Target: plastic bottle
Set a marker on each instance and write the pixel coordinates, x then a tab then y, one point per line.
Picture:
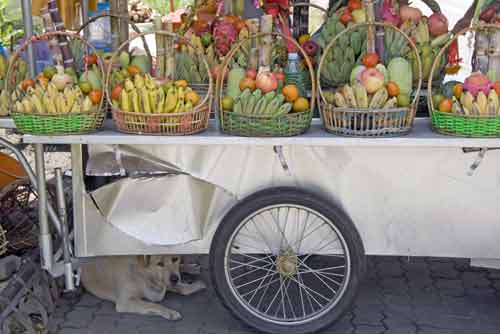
294	74
100	30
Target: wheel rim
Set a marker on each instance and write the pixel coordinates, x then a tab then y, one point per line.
287	264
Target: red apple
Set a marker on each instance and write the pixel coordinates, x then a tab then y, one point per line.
251	73
372	79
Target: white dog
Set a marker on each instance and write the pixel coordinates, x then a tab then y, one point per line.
137	283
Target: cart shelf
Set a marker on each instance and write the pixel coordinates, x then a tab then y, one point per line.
421	136
7	123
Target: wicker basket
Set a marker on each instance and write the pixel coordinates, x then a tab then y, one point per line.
56	124
454	124
291	124
367	122
171	124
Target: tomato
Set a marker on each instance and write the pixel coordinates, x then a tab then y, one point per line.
27	83
354	4
346	17
91	59
115	93
370	59
95	96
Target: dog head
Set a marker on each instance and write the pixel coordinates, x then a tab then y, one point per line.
162	268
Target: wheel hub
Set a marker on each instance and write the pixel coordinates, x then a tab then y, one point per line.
287	264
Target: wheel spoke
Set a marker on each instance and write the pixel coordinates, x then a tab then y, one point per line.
312	290
257	258
260	284
318	277
251	272
249	264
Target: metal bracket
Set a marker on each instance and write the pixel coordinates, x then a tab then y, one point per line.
278	149
118	157
480	156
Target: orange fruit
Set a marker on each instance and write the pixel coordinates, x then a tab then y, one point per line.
446	105
27	83
247	83
301	104
291	93
115	93
192	97
133	70
393	89
95	96
181	83
458	89
496	87
370	59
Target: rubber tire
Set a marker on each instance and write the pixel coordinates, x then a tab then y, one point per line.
285	195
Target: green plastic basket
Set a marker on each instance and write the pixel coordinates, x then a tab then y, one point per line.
287	125
466	126
39	124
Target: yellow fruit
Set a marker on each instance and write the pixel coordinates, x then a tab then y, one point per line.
291	93
192	97
301	104
227	103
303	38
181	83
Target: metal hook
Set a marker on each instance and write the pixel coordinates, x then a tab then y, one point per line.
279	152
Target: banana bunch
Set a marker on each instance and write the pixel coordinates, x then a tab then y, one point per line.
357	97
481	105
144	95
52	101
344	55
265	104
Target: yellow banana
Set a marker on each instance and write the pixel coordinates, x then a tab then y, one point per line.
135	99
50	105
124	101
493	103
138	81
28	107
145	101
19	107
52	90
482	102
76	108
149	82
129	85
170	101
37	103
153	94
87	104
188	106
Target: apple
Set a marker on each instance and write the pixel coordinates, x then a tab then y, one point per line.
372	79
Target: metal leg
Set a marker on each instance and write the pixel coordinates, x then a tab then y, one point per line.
61	205
78	190
45	239
28	32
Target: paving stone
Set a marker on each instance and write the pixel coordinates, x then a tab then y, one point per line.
475	280
493	274
445	270
430	330
394	286
401	330
88	300
390	269
366	317
106	308
79	317
369	330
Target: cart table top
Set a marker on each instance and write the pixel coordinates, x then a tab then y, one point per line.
421	136
6	123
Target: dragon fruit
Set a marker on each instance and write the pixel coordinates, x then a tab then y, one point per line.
224	36
477	82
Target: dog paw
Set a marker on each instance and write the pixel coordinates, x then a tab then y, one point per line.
173	316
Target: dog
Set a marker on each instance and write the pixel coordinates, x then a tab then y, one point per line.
137	283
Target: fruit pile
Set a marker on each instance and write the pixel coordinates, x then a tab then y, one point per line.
477	96
139	12
131	63
57	90
262	93
146	95
215	38
349	49
428	33
374	86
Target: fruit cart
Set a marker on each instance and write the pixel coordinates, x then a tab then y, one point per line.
287	222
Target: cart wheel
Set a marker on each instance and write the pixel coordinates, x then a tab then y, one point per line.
285	261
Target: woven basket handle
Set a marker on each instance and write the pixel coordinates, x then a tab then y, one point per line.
234	50
167	34
119	18
47	36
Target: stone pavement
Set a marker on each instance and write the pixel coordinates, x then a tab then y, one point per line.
420	296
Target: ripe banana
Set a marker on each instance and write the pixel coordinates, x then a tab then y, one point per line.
493	103
77	108
170	101
349	96
482	102
129	85
27	106
49	105
19	107
135	99
361	95
145	101
340	100
138	81
467	100
124	101
87	104
37	103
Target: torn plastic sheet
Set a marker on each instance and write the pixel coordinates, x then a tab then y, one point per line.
166	210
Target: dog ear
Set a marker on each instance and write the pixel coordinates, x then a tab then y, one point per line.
144	260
